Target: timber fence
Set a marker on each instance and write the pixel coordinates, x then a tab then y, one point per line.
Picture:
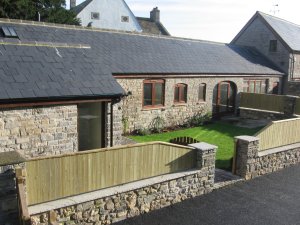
52	178
279	133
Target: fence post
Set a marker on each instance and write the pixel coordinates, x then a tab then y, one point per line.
246	153
206	159
290	105
21	193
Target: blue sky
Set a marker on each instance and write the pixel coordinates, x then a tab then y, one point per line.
214	20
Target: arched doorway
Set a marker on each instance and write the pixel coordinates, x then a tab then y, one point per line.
224	96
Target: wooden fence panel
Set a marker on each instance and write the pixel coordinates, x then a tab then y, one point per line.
263	101
279	133
56	177
297	107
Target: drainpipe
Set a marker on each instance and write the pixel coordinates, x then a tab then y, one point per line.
111	123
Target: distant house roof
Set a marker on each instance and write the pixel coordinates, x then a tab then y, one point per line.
151	27
287	32
78	8
42	65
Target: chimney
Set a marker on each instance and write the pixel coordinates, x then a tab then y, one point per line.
72	3
155	15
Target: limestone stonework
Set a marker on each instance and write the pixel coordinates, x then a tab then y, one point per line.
251	163
113	208
134	116
39	131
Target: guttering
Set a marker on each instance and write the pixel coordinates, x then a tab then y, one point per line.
31	102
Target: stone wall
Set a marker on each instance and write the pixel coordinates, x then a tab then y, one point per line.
257	114
251	163
140	197
39	130
293	88
118	139
137	117
296	68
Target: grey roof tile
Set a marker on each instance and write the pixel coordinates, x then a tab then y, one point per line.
77	72
288	31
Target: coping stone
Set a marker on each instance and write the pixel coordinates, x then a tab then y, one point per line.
247	138
11	158
203	146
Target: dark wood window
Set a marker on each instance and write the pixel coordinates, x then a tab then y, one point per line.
202	92
153	93
180	95
254	86
273	46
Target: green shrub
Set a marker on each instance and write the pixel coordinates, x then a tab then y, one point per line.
157	124
198	119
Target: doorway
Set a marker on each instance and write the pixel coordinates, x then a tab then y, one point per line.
224	98
91	127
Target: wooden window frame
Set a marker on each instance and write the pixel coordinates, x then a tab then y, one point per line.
153	82
182	95
254	82
204	92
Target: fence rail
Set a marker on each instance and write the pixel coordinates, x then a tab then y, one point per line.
56	177
279	133
263	101
297	106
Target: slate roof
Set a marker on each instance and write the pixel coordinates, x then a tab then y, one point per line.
78	8
63	72
150	27
289	32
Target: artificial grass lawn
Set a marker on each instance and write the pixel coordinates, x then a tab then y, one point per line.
218	133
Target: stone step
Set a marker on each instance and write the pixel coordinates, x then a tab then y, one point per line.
224	178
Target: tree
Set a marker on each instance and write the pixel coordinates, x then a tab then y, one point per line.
52	11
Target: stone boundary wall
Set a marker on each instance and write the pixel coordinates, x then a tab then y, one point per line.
251	163
293	88
258	114
118	203
288	111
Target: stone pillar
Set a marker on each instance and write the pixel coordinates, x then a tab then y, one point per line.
245	156
289	106
206	161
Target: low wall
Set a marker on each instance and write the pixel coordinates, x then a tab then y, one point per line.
261	114
117	203
293	88
251	163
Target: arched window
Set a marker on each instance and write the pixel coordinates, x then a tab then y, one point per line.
202	92
180	94
153	93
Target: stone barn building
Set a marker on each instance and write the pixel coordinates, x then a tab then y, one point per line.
66	88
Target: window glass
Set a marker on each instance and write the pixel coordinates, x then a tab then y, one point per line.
245	86
184	92
158	94
176	98
257	86
153	93
273	46
202	92
95	16
180	93
148	94
251	86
